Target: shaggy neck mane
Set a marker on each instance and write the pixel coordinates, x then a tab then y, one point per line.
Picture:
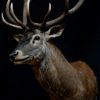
55	72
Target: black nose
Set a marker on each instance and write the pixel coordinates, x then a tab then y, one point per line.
13	55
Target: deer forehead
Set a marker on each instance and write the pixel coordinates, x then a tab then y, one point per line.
32	34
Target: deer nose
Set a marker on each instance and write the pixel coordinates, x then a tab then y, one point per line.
13	55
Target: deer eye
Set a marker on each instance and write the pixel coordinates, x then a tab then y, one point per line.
37	38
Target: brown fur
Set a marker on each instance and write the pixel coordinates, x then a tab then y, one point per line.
64	80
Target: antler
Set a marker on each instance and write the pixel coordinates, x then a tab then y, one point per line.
66	12
58	19
15	22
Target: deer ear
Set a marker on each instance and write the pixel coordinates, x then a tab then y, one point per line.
55	31
18	37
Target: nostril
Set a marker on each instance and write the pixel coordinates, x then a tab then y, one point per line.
16	53
13	56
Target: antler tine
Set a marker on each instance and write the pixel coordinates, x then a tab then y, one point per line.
8	13
71	11
15	26
47	14
15	18
25	13
28	13
16	23
52	22
76	7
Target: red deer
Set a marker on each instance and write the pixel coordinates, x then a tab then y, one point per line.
61	79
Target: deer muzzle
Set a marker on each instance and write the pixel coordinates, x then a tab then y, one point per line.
17	57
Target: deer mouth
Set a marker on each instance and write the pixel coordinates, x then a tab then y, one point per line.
21	60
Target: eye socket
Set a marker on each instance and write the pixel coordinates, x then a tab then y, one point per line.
37	38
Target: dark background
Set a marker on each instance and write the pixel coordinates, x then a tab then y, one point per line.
80	40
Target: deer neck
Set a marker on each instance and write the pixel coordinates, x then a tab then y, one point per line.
55	72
